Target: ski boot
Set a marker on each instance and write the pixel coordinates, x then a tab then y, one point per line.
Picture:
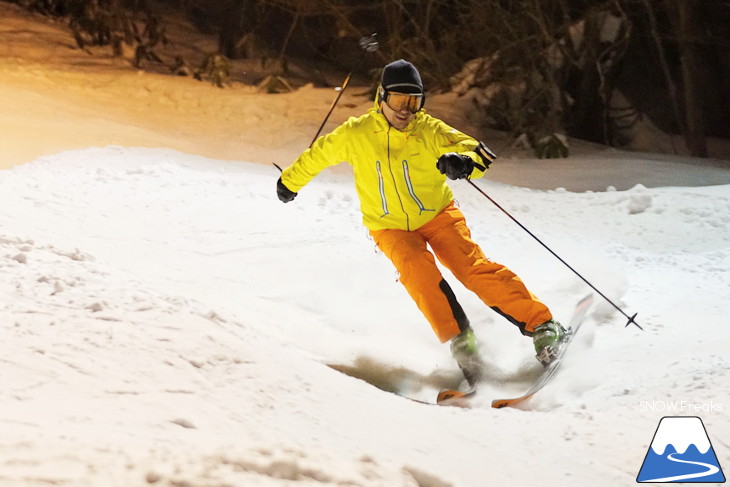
465	351
547	339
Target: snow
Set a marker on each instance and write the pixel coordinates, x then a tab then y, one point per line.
167	321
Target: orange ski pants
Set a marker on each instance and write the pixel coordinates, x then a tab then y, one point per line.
450	239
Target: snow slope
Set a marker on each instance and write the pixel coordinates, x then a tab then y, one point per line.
165	317
166	321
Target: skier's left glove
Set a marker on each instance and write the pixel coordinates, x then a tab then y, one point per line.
284	193
455	166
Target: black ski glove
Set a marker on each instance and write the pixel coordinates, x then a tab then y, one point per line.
455	166
284	193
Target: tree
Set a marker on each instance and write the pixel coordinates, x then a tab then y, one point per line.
692	73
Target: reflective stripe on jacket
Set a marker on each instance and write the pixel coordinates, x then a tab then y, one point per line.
395	171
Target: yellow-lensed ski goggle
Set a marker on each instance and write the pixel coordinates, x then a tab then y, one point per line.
399	101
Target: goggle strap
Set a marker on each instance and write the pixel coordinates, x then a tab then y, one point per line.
404	85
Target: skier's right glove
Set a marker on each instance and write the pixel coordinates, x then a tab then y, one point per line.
284	193
455	166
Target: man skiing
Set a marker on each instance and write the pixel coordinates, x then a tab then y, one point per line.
401	158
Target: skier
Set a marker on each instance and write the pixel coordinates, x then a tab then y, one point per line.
401	157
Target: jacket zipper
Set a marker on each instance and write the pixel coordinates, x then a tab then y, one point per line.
381	186
409	185
395	187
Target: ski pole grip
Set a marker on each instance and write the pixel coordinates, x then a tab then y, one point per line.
369	43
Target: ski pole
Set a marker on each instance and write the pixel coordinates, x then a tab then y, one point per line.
630	318
368	44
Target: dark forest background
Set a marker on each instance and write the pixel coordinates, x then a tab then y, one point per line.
590	69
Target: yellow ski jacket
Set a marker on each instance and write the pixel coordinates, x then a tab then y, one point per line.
395	171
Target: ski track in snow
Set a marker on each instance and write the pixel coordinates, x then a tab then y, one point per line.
166	321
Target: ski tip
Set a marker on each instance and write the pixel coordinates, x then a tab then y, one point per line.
448	394
512	402
500	403
453	397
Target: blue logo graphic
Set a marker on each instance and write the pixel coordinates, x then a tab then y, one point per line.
681	452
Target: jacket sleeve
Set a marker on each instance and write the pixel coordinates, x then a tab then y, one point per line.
448	139
326	151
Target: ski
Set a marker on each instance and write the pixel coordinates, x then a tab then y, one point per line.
576	321
455	397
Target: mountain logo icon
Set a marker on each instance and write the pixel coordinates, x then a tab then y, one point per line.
681	452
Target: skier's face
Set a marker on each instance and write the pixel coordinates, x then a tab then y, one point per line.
399	119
